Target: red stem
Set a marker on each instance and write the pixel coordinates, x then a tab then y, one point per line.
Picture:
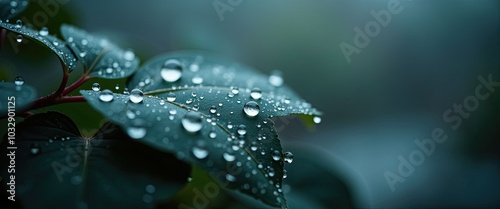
76	84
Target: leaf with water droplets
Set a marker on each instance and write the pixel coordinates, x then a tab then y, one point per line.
10	8
56	45
15	96
103	58
200	138
110	170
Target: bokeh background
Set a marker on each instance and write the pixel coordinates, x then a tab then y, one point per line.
395	91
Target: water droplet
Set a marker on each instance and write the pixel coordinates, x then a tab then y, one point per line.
317	119
228	157
19	24
171	97
117	87
130	114
287	100
235	90
256	93
136	96
251	109
137	129
19	81
276	155
106	95
199	151
96	87
19	38
230	177
212	134
109	70
129	55
288	157
44	31
84	42
82	54
171	70
275	78
35	149
150	188
192	122
172	111
213	109
253	146
197	80
285	174
242	130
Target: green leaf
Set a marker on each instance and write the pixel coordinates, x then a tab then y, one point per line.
238	161
57	46
15	97
101	57
108	171
10	8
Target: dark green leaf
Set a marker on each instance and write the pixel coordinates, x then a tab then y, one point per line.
57	46
15	97
10	8
57	168
242	161
101	57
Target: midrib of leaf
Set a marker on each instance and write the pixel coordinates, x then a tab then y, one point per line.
81	188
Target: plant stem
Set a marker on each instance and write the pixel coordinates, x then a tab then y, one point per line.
76	84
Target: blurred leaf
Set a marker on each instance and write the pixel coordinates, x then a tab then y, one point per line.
10	8
99	55
21	96
108	171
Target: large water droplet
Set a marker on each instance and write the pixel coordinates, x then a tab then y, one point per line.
228	157
317	119
275	78
136	96
251	108
256	93
35	149
106	95
96	87
199	151
171	97
19	81
192	122
171	70
288	157
44	31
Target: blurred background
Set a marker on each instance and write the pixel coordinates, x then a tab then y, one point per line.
395	91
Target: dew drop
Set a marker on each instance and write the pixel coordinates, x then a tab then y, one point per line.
44	31
288	157
35	149
275	78
19	81
171	70
213	109
82	54
276	155
199	151
251	109
242	130
230	177
212	134
171	97
19	38
96	87
235	90
317	119
192	122
285	174
228	157
136	96
137	129
253	146
129	55
106	95
256	93
197	80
